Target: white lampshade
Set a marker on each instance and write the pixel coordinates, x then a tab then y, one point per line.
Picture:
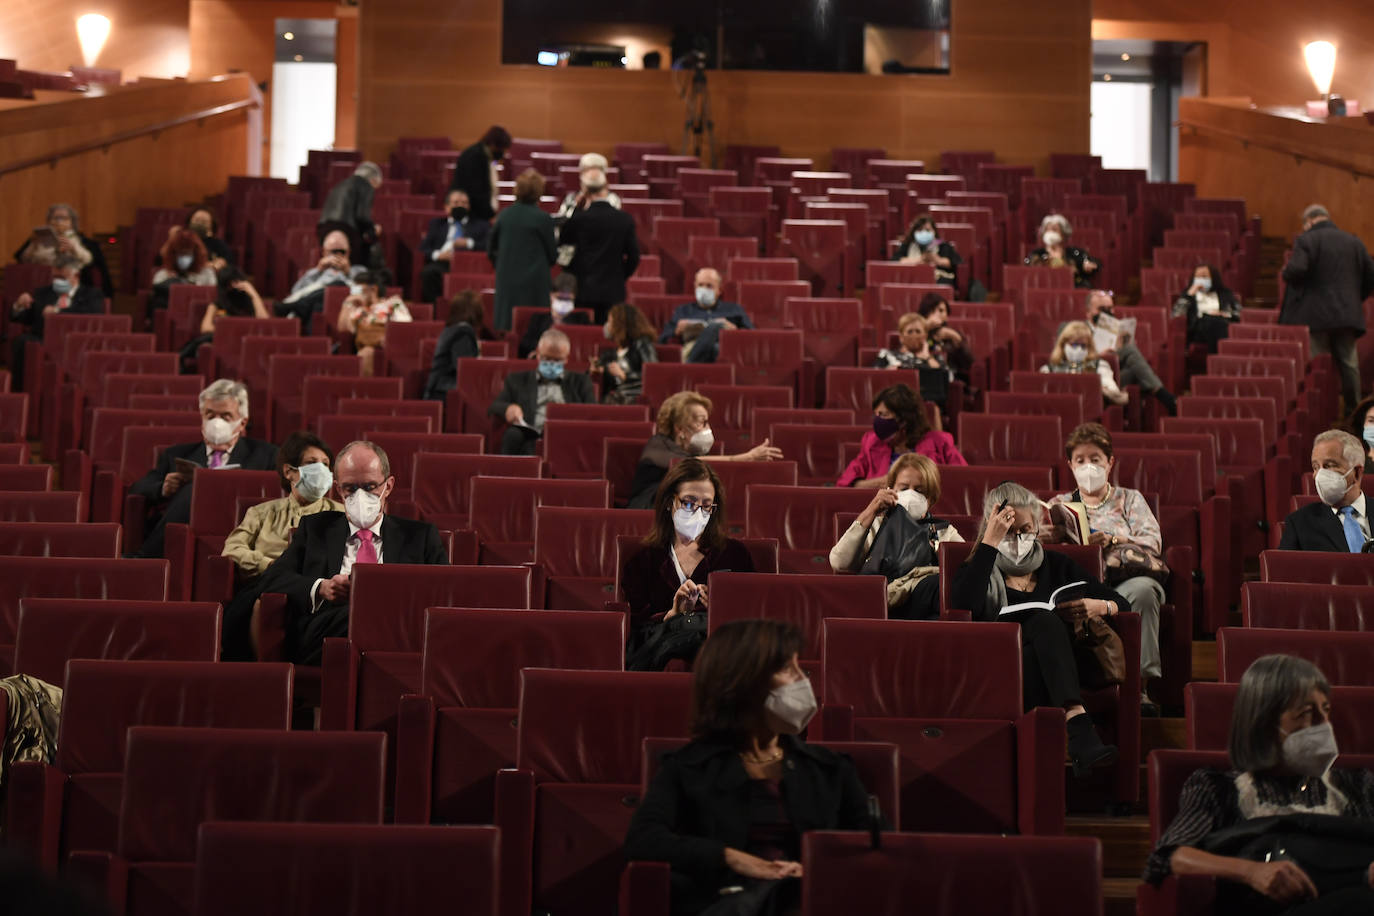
92	30
1321	63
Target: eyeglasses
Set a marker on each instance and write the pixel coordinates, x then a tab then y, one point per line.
692	505
348	489
337	251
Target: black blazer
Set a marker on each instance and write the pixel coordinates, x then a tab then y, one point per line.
249	454
541	322
317	549
1314	527
472	173
86	300
350	202
437	234
455	342
607	251
649	579
1328	277
698	806
523	388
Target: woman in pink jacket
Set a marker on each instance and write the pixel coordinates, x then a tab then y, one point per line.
899	426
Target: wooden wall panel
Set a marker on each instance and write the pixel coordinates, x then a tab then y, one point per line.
178	165
147	37
1019	85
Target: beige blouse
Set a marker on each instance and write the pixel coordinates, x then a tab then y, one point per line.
266	529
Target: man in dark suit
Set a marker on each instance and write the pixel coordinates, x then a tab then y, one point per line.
1340	521
473	173
314	571
458	231
224	416
348	209
1328	276
562	305
606	251
65	295
525	397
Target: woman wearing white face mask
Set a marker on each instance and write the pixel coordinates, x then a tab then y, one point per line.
728	810
684	431
1075	354
184	260
667	577
366	313
912	487
303	463
1281	747
1126	529
1007	567
1211	308
1055	251
1360	424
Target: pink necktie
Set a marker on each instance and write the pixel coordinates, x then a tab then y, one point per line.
366	552
216	458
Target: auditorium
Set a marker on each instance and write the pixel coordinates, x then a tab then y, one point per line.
813	458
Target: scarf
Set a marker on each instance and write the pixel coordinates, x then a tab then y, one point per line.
997	582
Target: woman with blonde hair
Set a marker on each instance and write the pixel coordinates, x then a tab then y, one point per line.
684	431
902	543
915	350
1074	354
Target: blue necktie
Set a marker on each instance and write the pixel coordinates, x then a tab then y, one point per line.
1354	537
456	232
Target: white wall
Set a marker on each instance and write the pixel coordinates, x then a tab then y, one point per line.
1121	124
303	98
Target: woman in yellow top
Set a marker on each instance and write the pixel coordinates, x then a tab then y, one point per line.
303	462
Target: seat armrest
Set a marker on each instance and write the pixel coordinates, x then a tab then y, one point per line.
414	759
77	472
1177	895
104	873
514	814
1040	752
205	361
179	549
135	513
646	889
1127	627
453	411
267	628
1215	538
33	813
215	580
338	685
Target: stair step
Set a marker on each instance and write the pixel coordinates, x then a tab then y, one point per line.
1164	733
1125	842
1204	660
1118	896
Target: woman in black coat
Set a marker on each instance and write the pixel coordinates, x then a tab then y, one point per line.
922	245
729	809
1210	306
460	338
1009	567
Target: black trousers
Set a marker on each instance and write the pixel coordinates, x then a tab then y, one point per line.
1048	671
306	633
516	441
1235	900
177	511
601	309
17	360
432	280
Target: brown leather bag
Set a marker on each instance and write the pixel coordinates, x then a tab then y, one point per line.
1100	654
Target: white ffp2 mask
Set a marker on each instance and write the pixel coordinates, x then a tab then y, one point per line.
362	508
1331	485
792	705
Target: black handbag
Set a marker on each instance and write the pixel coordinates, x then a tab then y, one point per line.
1334	851
901	545
679	637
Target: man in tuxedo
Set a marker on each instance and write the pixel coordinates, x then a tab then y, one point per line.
314	571
65	295
525	397
475	171
1340	521
458	231
606	251
224	416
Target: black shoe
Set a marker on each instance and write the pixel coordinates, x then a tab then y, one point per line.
1149	709
1168	400
1086	750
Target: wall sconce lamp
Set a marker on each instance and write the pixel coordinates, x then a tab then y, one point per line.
92	30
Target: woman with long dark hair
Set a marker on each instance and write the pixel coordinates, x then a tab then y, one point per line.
900	425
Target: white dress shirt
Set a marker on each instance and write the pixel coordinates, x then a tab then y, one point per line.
1360	516
351	553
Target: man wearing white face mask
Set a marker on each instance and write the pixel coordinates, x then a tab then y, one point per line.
313	572
1340	521
562	310
224	417
65	295
698	323
1282	747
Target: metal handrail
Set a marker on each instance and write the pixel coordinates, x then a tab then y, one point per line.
124	136
1247	141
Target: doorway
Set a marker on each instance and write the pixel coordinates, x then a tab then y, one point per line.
304	81
1135	91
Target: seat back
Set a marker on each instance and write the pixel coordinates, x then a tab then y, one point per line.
114	388
472	658
440	483
503	508
854	388
987	438
32	478
1241	443
321	870
1067	407
53	631
388	600
322	394
215	496
845	873
962	488
664	379
1209	708
801	518
140	447
41	507
1173	474
804	601
59	539
821	451
573	448
581	542
1259	408
106	435
1300	606
66	577
1316	567
177	778
1342	656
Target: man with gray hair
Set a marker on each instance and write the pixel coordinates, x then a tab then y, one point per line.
1338	521
167	487
348	208
1328	276
525	397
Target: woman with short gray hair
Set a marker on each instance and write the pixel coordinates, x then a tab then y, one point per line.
1281	747
1008	567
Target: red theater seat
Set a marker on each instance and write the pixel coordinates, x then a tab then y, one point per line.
194	549
1316	567
821	451
573	448
1300	606
286	377
576	549
59	539
503	510
802	520
442	482
988	438
1210	707
962	488
1343	656
801	600
664	379
459	728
